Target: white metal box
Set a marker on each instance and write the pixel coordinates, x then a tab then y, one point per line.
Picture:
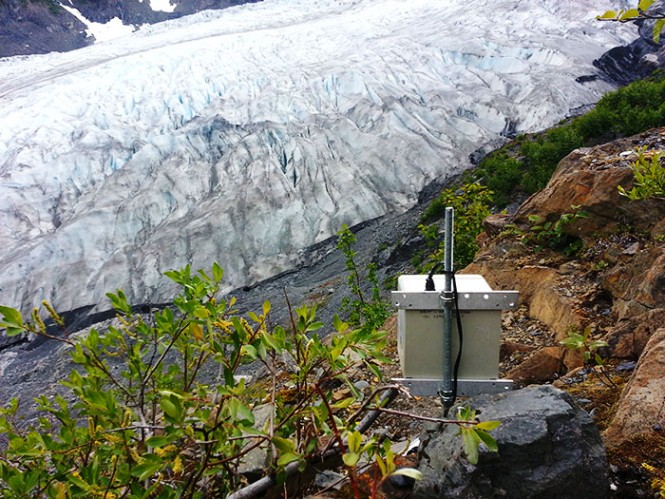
420	326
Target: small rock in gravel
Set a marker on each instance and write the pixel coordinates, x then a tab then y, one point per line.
626	366
328	478
361	385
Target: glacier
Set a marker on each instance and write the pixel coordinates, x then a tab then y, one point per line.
249	134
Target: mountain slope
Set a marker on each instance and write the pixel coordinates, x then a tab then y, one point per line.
41	26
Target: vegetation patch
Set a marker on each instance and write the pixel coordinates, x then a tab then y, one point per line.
525	165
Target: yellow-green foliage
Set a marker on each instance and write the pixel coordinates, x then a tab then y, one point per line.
140	421
657	480
471	203
649	177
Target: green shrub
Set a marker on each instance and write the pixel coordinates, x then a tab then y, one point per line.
140	421
649	178
503	176
553	234
471	203
367	313
526	165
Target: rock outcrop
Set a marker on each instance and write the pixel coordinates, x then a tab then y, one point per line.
548	448
614	290
621	273
34	28
641	411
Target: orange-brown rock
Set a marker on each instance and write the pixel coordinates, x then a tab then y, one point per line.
543	366
622	263
615	285
509	348
589	178
628	339
539	286
641	410
495	224
581	181
637	282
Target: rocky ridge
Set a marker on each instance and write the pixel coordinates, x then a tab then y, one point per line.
614	289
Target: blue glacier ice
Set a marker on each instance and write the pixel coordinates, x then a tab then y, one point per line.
248	134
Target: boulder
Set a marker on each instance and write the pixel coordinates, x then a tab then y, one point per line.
547	364
579	181
540	288
641	408
548	448
628	339
589	178
543	366
637	281
496	224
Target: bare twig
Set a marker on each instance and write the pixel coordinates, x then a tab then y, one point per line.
426	418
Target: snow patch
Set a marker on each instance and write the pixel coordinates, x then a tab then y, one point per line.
102	32
163	5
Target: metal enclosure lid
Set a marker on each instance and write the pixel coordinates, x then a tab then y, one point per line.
474	293
465	283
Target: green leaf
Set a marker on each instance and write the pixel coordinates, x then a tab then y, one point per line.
344	403
170	409
272	342
12	331
160	440
169	393
261	350
119	302
645	4
657	29
266	307
610	14
283	445
465	413
599	360
630	14
596	344
250	351
353	441
145	470
287	458
11	315
338	324
217	272
488	440
75	479
350	459
488	425
471	443
314	326
240	412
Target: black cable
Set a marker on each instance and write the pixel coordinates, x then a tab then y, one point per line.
429	286
429	283
460	335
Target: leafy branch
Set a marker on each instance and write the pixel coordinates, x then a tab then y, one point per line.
637	14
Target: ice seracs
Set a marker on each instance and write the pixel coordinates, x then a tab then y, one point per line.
247	134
